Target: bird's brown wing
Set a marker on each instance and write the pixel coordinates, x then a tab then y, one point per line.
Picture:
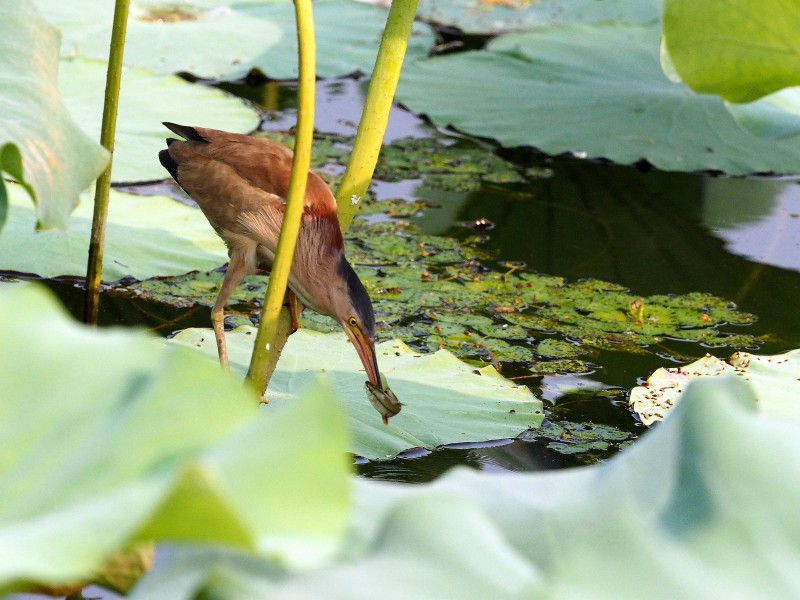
264	164
240	183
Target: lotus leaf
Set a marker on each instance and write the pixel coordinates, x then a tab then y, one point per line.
560	366
685	512
735	48
773	379
493	17
124	439
146	236
167	38
58	159
146	100
594	91
444	400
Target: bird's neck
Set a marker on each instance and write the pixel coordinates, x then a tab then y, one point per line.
317	257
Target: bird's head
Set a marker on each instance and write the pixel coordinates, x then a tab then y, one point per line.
353	309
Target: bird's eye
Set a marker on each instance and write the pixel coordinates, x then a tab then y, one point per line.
352	321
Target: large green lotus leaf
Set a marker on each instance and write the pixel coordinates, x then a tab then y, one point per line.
702	507
208	39
493	17
595	91
147	100
58	159
347	35
225	40
125	439
472	560
738	49
444	400
773	379
146	236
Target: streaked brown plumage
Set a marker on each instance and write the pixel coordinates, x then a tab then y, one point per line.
240	183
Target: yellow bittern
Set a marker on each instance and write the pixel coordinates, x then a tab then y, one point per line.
240	183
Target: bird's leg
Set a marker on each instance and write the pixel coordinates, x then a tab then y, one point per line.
237	269
292	300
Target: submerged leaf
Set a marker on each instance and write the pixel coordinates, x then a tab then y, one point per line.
444	400
430	291
588	439
459	166
436	292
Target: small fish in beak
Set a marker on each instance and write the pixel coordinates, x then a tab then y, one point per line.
383	399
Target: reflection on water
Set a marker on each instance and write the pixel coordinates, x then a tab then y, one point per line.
757	219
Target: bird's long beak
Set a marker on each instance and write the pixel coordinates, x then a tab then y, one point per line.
366	352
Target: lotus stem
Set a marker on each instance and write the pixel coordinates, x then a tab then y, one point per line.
265	344
375	116
366	148
94	269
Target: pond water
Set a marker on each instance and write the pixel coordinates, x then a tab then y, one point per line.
651	231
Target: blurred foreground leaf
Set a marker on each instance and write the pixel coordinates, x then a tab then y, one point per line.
125	440
704	506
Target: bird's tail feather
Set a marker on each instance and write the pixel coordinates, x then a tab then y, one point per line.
169	163
185	131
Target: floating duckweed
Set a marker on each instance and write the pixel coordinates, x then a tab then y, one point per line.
589	441
437	292
453	167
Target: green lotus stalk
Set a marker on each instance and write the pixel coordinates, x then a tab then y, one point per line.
375	116
94	269
268	327
366	148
